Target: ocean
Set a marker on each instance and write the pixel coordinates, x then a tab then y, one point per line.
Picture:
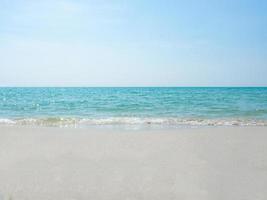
142	106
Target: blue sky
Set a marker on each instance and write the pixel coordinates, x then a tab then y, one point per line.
133	43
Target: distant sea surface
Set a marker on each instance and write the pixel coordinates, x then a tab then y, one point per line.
134	106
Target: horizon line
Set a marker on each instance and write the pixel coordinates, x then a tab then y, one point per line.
241	86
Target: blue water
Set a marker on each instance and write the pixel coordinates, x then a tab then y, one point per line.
170	106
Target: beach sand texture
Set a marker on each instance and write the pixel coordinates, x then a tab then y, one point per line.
221	163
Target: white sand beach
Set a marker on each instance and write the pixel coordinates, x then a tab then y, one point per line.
220	163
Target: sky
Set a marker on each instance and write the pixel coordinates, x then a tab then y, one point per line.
133	43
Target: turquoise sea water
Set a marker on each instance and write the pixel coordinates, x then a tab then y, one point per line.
130	106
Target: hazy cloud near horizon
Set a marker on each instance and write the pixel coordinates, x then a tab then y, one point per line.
133	43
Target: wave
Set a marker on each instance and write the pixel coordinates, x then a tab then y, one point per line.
76	122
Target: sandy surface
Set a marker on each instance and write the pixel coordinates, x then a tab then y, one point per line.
191	164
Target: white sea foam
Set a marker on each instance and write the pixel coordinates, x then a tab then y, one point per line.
7	121
76	122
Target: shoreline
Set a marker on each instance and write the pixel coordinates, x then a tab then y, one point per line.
100	129
145	122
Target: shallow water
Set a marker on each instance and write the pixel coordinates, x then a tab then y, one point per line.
167	106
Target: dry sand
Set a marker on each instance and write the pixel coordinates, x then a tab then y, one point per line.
193	164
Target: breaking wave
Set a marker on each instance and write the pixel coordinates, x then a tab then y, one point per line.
79	122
